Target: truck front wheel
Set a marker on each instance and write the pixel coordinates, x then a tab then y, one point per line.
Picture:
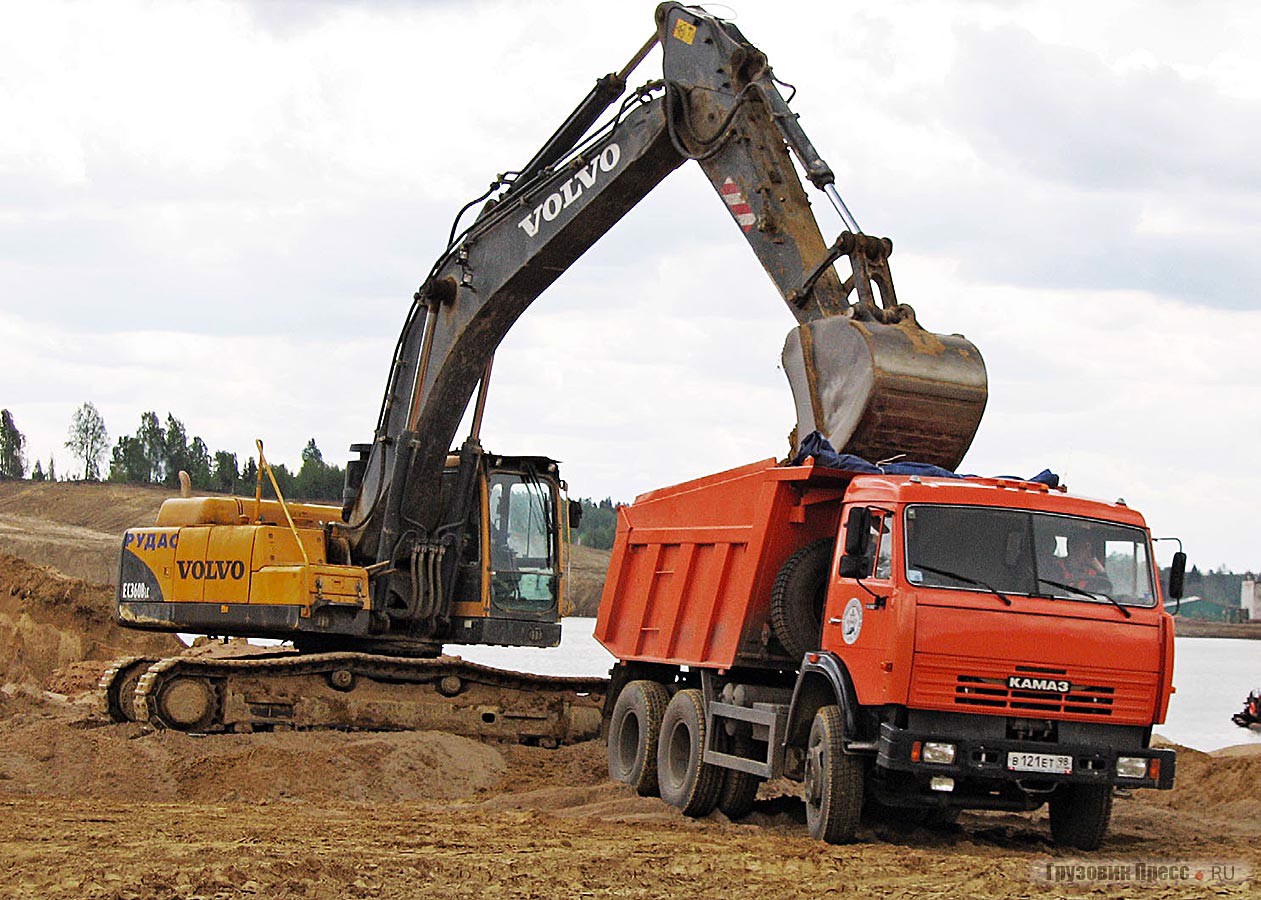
834	781
633	730
1080	814
686	781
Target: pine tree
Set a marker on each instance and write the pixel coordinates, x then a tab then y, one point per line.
176	455
37	474
152	440
12	448
226	472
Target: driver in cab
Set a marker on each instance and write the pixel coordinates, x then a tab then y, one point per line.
1080	568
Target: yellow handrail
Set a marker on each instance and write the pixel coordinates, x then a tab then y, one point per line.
263	464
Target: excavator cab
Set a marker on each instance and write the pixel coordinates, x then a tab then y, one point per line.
512	575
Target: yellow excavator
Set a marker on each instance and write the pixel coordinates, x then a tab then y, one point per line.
436	547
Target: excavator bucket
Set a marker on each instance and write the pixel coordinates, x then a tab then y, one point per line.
881	390
870	379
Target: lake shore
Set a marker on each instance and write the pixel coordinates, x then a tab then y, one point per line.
1238	630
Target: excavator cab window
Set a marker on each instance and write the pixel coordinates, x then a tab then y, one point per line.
523	571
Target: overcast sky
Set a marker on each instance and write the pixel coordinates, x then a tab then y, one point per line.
222	209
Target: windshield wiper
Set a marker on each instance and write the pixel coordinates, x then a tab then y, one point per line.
1085	593
966	580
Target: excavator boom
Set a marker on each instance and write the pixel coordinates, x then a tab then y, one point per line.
864	372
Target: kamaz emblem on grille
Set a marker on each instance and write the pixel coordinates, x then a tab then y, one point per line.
1024	683
571	190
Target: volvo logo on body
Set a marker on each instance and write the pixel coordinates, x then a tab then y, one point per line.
211	569
571	190
1025	683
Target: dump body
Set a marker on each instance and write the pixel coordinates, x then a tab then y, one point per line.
693	564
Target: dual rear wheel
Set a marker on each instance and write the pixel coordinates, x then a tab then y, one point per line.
656	745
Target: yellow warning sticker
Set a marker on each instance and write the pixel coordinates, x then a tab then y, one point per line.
685	31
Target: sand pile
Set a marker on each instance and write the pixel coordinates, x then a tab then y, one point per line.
46	754
1224	786
49	622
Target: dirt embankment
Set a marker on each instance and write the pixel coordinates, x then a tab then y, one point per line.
57	632
74	527
587	568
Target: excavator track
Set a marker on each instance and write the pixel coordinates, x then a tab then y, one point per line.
117	686
355	692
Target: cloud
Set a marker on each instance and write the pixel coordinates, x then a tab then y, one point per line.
1063	114
222	209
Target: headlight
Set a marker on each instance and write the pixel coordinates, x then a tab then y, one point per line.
936	752
1131	767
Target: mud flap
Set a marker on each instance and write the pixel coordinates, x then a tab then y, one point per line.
879	390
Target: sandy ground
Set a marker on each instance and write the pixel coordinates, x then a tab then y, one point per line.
108	811
90	809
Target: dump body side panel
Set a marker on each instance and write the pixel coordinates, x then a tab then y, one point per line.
693	565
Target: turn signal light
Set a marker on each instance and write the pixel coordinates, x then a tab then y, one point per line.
1153	770
916	749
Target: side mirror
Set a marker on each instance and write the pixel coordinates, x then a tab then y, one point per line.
853	566
858	531
1177	575
856	561
575	513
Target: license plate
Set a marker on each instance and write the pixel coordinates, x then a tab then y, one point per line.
1040	762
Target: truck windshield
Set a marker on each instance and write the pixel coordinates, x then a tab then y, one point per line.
522	552
1031	553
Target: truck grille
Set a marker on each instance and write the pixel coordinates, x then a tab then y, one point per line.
1092	700
980	685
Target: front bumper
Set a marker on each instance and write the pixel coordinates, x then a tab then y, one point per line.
986	759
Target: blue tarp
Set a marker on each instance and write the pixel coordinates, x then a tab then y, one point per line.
824	454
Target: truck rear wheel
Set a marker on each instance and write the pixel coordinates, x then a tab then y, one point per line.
686	781
633	731
1080	814
834	781
798	597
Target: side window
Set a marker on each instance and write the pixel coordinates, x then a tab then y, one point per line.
882	541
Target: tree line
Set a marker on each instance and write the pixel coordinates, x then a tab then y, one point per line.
158	451
598	524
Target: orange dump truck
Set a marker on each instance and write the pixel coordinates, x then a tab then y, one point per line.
926	644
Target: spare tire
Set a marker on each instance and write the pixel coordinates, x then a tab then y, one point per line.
798	597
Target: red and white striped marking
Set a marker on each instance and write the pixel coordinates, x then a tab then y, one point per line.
737	204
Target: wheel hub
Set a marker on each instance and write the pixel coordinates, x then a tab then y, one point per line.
186	701
814	775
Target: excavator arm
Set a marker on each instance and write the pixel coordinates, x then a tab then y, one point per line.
863	372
